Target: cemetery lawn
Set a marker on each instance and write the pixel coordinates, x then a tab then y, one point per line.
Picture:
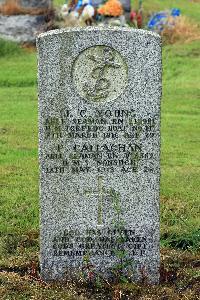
180	191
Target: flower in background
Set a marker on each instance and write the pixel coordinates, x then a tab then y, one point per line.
112	8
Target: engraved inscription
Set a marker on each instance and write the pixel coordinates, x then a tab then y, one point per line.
98	242
105	141
100	73
53	127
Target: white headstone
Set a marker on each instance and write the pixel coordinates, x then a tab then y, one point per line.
99	137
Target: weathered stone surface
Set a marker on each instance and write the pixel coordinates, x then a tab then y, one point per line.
36	3
99	137
32	3
23	28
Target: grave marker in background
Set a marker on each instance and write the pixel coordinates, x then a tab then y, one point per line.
23	20
99	132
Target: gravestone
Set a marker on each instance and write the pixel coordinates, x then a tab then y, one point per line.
22	28
30	3
25	24
99	149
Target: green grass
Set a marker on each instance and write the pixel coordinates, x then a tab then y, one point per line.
9	48
59	2
180	190
18	140
181	104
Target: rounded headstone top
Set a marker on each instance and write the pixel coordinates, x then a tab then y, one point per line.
98	29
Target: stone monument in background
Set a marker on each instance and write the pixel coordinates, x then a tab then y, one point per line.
22	20
99	151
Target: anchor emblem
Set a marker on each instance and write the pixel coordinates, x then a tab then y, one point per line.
100	89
